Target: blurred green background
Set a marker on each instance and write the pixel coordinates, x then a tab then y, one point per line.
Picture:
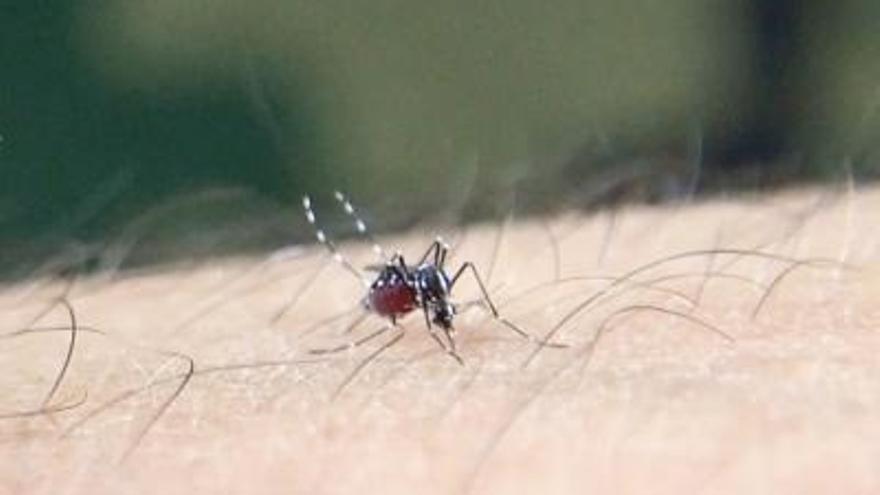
152	128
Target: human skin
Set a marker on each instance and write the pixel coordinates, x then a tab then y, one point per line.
662	402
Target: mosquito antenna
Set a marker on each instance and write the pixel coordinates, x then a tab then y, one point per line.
329	244
360	225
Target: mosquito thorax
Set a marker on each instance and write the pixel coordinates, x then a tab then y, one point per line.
432	282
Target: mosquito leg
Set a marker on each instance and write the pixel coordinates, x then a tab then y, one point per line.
452	350
436	248
479	280
427	317
363	364
314	327
356	323
432	331
351	345
401	270
494	310
442	251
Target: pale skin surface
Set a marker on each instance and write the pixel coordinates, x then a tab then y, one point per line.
665	404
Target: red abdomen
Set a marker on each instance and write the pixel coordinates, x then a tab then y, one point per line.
392	300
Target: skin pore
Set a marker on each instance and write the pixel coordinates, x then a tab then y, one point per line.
736	353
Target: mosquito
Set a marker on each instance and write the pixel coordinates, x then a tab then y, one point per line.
400	288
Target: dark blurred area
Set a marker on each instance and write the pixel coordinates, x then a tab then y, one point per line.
162	129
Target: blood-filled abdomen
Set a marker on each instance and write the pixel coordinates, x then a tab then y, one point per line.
392	300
